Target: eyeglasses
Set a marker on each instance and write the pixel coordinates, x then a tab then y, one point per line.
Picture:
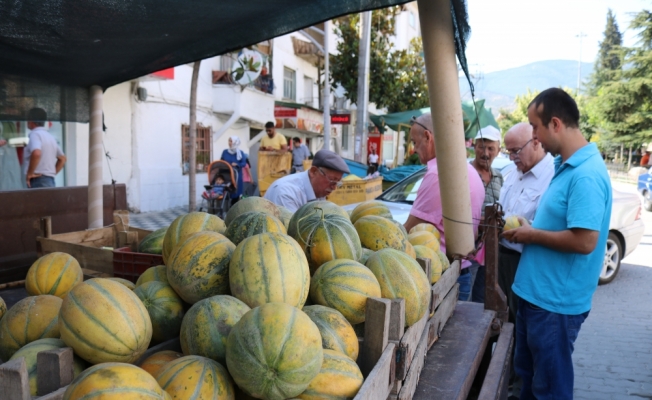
414	121
332	183
515	152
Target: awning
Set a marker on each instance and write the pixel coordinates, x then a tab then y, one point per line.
292	118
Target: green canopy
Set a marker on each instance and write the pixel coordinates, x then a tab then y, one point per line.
472	121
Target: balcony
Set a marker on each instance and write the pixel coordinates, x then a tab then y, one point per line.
251	102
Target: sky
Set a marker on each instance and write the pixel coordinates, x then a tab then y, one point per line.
511	33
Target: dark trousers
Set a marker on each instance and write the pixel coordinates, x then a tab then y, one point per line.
479	285
544	348
507	266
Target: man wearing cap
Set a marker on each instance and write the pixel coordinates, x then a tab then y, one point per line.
487	146
321	179
43	156
427	206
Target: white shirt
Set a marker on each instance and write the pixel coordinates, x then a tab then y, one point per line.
291	191
521	193
373	158
41	139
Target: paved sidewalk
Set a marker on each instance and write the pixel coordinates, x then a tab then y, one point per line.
156	219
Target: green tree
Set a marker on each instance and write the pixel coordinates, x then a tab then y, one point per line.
397	77
609	60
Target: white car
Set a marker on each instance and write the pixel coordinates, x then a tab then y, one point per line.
625	229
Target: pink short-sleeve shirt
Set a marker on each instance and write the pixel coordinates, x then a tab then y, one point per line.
427	205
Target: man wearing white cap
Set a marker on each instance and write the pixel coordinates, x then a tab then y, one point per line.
487	147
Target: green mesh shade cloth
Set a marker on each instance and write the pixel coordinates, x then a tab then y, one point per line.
52	51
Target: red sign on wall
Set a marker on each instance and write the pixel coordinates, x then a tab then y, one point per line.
165	73
284	112
340	119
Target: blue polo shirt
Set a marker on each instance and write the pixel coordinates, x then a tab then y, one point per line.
579	196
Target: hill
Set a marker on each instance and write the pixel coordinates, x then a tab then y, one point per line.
500	88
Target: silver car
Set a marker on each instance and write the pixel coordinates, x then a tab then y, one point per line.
625	229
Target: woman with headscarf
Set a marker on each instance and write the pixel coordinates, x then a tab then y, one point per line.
238	159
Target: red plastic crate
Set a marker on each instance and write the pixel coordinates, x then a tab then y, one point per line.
128	264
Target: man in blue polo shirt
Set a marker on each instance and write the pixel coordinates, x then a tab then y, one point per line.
563	250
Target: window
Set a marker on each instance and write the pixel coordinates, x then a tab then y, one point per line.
345	137
204	148
289	83
411	19
307	91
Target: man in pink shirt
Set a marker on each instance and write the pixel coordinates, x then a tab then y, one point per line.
427	206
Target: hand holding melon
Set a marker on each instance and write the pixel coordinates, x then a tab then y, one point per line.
511	222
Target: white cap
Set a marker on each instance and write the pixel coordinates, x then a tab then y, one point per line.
488	133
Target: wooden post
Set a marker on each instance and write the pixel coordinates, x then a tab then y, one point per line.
376	332
54	369
397	319
95	160
14	381
495	299
444	91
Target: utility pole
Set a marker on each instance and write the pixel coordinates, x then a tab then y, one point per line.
327	89
363	85
192	151
579	62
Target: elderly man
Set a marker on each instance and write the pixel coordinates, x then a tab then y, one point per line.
427	206
563	250
487	147
520	195
273	141
320	180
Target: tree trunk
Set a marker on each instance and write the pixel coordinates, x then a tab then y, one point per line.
192	156
629	160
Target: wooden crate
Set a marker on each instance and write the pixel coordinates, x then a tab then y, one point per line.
272	165
357	191
87	246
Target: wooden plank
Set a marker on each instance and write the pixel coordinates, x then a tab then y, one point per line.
56	395
496	380
96	259
14	381
445	283
378	383
10	285
376	333
408	346
442	315
54	369
397	319
452	363
92	237
172	344
412	378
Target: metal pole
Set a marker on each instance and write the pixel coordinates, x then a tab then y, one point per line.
327	88
95	153
579	62
192	151
363	85
444	91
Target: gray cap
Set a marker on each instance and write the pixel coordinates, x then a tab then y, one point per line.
328	159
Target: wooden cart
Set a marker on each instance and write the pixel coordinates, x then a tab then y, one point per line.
272	165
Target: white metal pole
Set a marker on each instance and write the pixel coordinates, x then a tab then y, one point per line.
327	88
363	85
444	91
192	151
95	153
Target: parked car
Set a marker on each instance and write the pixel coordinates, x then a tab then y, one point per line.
625	229
645	188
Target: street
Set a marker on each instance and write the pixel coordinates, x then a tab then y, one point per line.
613	353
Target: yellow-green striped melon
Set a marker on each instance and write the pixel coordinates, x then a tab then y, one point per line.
128	284
252	223
445	263
338	378
251	204
269	267
29	352
207	325
196	378
103	321
55	273
325	237
345	286
336	332
401	277
379	233
274	351
410	251
165	309
366	253
32	318
199	266
328	207
186	225
425	226
424	238
157	273
153	243
286	216
115	381
372	207
156	361
435	262
3	307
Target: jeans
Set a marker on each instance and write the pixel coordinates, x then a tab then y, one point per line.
42	182
544	347
479	285
465	285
